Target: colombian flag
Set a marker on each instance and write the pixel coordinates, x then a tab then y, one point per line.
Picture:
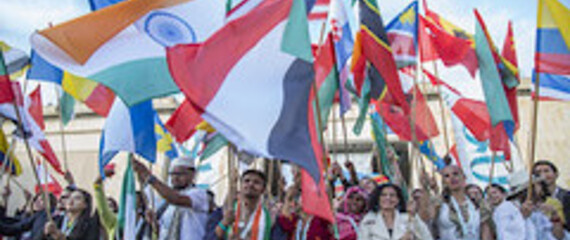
552	57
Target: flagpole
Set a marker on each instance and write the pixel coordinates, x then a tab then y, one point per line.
270	174
492	169
345	136
61	130
440	100
533	129
334	151
31	158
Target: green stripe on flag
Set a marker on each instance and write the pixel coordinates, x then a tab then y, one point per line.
152	75
127	208
296	39
495	97
66	107
3	71
363	103
213	146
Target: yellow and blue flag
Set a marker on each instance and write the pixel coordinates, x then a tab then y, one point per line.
427	149
552	57
12	161
164	141
402	35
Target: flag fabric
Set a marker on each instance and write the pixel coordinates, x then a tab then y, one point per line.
402	35
164	141
98	4
123	46
15	59
29	128
372	45
509	54
427	149
129	129
400	121
343	45
213	142
227	75
475	157
495	97
8	161
127	216
326	77
95	95
451	44
378	135
47	182
36	108
552	57
182	123
6	92
320	10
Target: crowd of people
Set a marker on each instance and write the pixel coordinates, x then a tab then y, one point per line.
364	211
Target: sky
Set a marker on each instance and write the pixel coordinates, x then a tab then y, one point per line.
20	18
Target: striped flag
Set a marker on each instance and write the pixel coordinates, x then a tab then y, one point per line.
123	46
402	34
552	57
127	217
129	129
16	168
372	46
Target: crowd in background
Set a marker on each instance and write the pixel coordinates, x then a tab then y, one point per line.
364	210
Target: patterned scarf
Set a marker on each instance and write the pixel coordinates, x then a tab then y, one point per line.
257	226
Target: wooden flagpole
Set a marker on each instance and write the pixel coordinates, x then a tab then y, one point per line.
62	129
492	169
345	136
533	128
31	158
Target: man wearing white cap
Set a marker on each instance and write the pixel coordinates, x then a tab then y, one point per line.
186	214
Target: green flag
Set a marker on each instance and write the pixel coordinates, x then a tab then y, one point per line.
66	107
127	209
495	97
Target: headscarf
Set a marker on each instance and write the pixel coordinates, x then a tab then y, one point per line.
348	222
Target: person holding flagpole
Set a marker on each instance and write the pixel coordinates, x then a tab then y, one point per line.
248	218
184	214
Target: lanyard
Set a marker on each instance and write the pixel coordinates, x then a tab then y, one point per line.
467	228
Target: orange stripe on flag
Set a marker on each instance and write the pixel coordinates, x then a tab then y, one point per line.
82	36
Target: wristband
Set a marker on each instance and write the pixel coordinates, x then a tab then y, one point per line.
151	179
222	226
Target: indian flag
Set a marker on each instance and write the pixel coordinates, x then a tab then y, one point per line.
127	209
123	46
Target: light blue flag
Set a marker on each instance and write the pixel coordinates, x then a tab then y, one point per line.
130	130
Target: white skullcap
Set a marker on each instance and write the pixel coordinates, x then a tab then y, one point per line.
183	161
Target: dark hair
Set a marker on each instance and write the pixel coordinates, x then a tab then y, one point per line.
498	186
471	185
52	200
85	223
375	197
255	172
544	163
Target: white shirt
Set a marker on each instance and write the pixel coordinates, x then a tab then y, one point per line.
193	219
509	222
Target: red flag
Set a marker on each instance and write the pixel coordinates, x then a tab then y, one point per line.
35	108
314	196
427	49
47	181
451	47
509	54
182	124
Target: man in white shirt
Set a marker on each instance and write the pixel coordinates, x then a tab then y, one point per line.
186	214
508	220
